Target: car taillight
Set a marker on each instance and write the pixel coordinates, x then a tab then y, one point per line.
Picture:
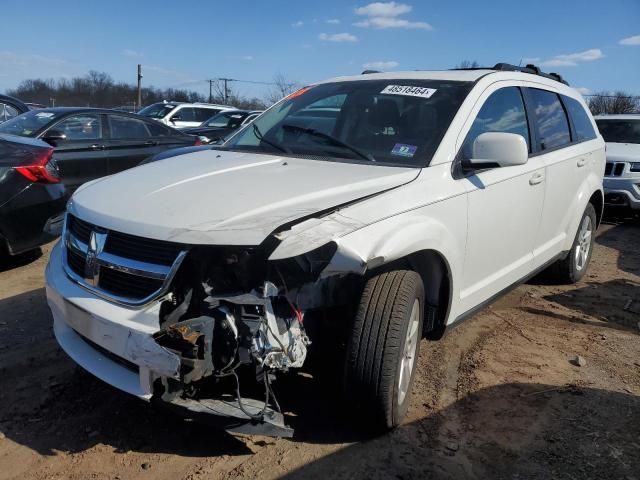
198	142
42	170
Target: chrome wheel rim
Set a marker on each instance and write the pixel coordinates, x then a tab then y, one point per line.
584	243
408	360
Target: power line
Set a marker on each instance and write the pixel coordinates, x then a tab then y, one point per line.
611	96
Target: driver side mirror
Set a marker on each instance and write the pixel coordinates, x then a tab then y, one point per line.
54	136
501	148
175	118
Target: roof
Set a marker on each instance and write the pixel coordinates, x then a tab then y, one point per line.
619	116
452	75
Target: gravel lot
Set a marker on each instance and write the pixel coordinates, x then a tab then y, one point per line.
499	397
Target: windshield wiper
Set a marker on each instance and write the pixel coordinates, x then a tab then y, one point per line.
259	136
334	140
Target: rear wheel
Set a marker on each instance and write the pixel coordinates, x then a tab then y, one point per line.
574	266
383	348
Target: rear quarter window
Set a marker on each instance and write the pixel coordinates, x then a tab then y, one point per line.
580	118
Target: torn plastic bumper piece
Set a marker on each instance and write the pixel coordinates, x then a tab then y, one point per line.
225	413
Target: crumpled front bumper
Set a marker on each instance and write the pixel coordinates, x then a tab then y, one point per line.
115	344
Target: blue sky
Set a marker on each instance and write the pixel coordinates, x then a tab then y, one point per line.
594	44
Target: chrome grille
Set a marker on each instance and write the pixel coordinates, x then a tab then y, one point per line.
117	266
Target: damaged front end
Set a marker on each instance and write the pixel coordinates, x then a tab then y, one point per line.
235	319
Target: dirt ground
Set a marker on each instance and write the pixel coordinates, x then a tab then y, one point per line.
498	397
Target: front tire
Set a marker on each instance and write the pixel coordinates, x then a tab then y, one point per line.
574	266
383	348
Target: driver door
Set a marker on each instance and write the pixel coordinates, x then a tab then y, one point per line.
504	204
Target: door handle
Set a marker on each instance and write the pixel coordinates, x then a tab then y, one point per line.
536	179
151	142
95	146
582	162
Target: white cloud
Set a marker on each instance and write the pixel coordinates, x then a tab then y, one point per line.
248	58
635	40
131	53
388	22
583	90
573	59
380	65
333	21
382	9
338	37
385	15
297	24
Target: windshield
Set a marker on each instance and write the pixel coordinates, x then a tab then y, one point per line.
157	110
620	131
225	119
392	122
30	123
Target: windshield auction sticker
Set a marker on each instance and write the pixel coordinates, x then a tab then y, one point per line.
404	150
409	90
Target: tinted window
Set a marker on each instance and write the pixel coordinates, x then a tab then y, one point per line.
127	127
203	114
2	112
620	131
156	110
158	130
186	114
581	121
10	112
397	122
553	126
502	112
80	127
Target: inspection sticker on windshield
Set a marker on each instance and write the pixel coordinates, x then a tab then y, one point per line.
409	90
404	150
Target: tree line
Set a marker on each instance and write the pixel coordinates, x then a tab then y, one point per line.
99	89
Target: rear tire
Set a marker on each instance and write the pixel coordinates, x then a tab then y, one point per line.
572	268
383	348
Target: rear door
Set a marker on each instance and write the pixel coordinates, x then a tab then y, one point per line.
80	157
129	142
167	138
566	150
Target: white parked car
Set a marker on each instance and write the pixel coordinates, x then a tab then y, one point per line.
183	115
349	221
622	173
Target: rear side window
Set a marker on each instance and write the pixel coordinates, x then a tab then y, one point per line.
204	114
126	127
157	130
503	111
553	126
581	121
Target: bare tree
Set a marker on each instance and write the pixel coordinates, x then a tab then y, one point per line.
281	88
613	102
468	64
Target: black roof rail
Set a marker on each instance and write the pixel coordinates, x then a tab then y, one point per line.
529	68
367	72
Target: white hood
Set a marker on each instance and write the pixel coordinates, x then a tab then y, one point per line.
226	198
623	152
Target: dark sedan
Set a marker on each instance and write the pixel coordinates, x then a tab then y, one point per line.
11	107
32	199
222	124
91	143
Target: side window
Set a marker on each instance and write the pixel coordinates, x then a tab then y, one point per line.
553	126
127	127
503	111
2	112
81	127
203	114
186	114
580	118
10	112
158	130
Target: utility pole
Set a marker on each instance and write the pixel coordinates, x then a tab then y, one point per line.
211	91
139	85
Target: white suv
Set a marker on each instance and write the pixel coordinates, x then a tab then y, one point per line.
349	221
183	115
622	173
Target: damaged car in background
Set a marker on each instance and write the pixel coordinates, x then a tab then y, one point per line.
351	220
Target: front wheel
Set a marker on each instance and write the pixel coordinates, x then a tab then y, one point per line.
574	266
383	348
